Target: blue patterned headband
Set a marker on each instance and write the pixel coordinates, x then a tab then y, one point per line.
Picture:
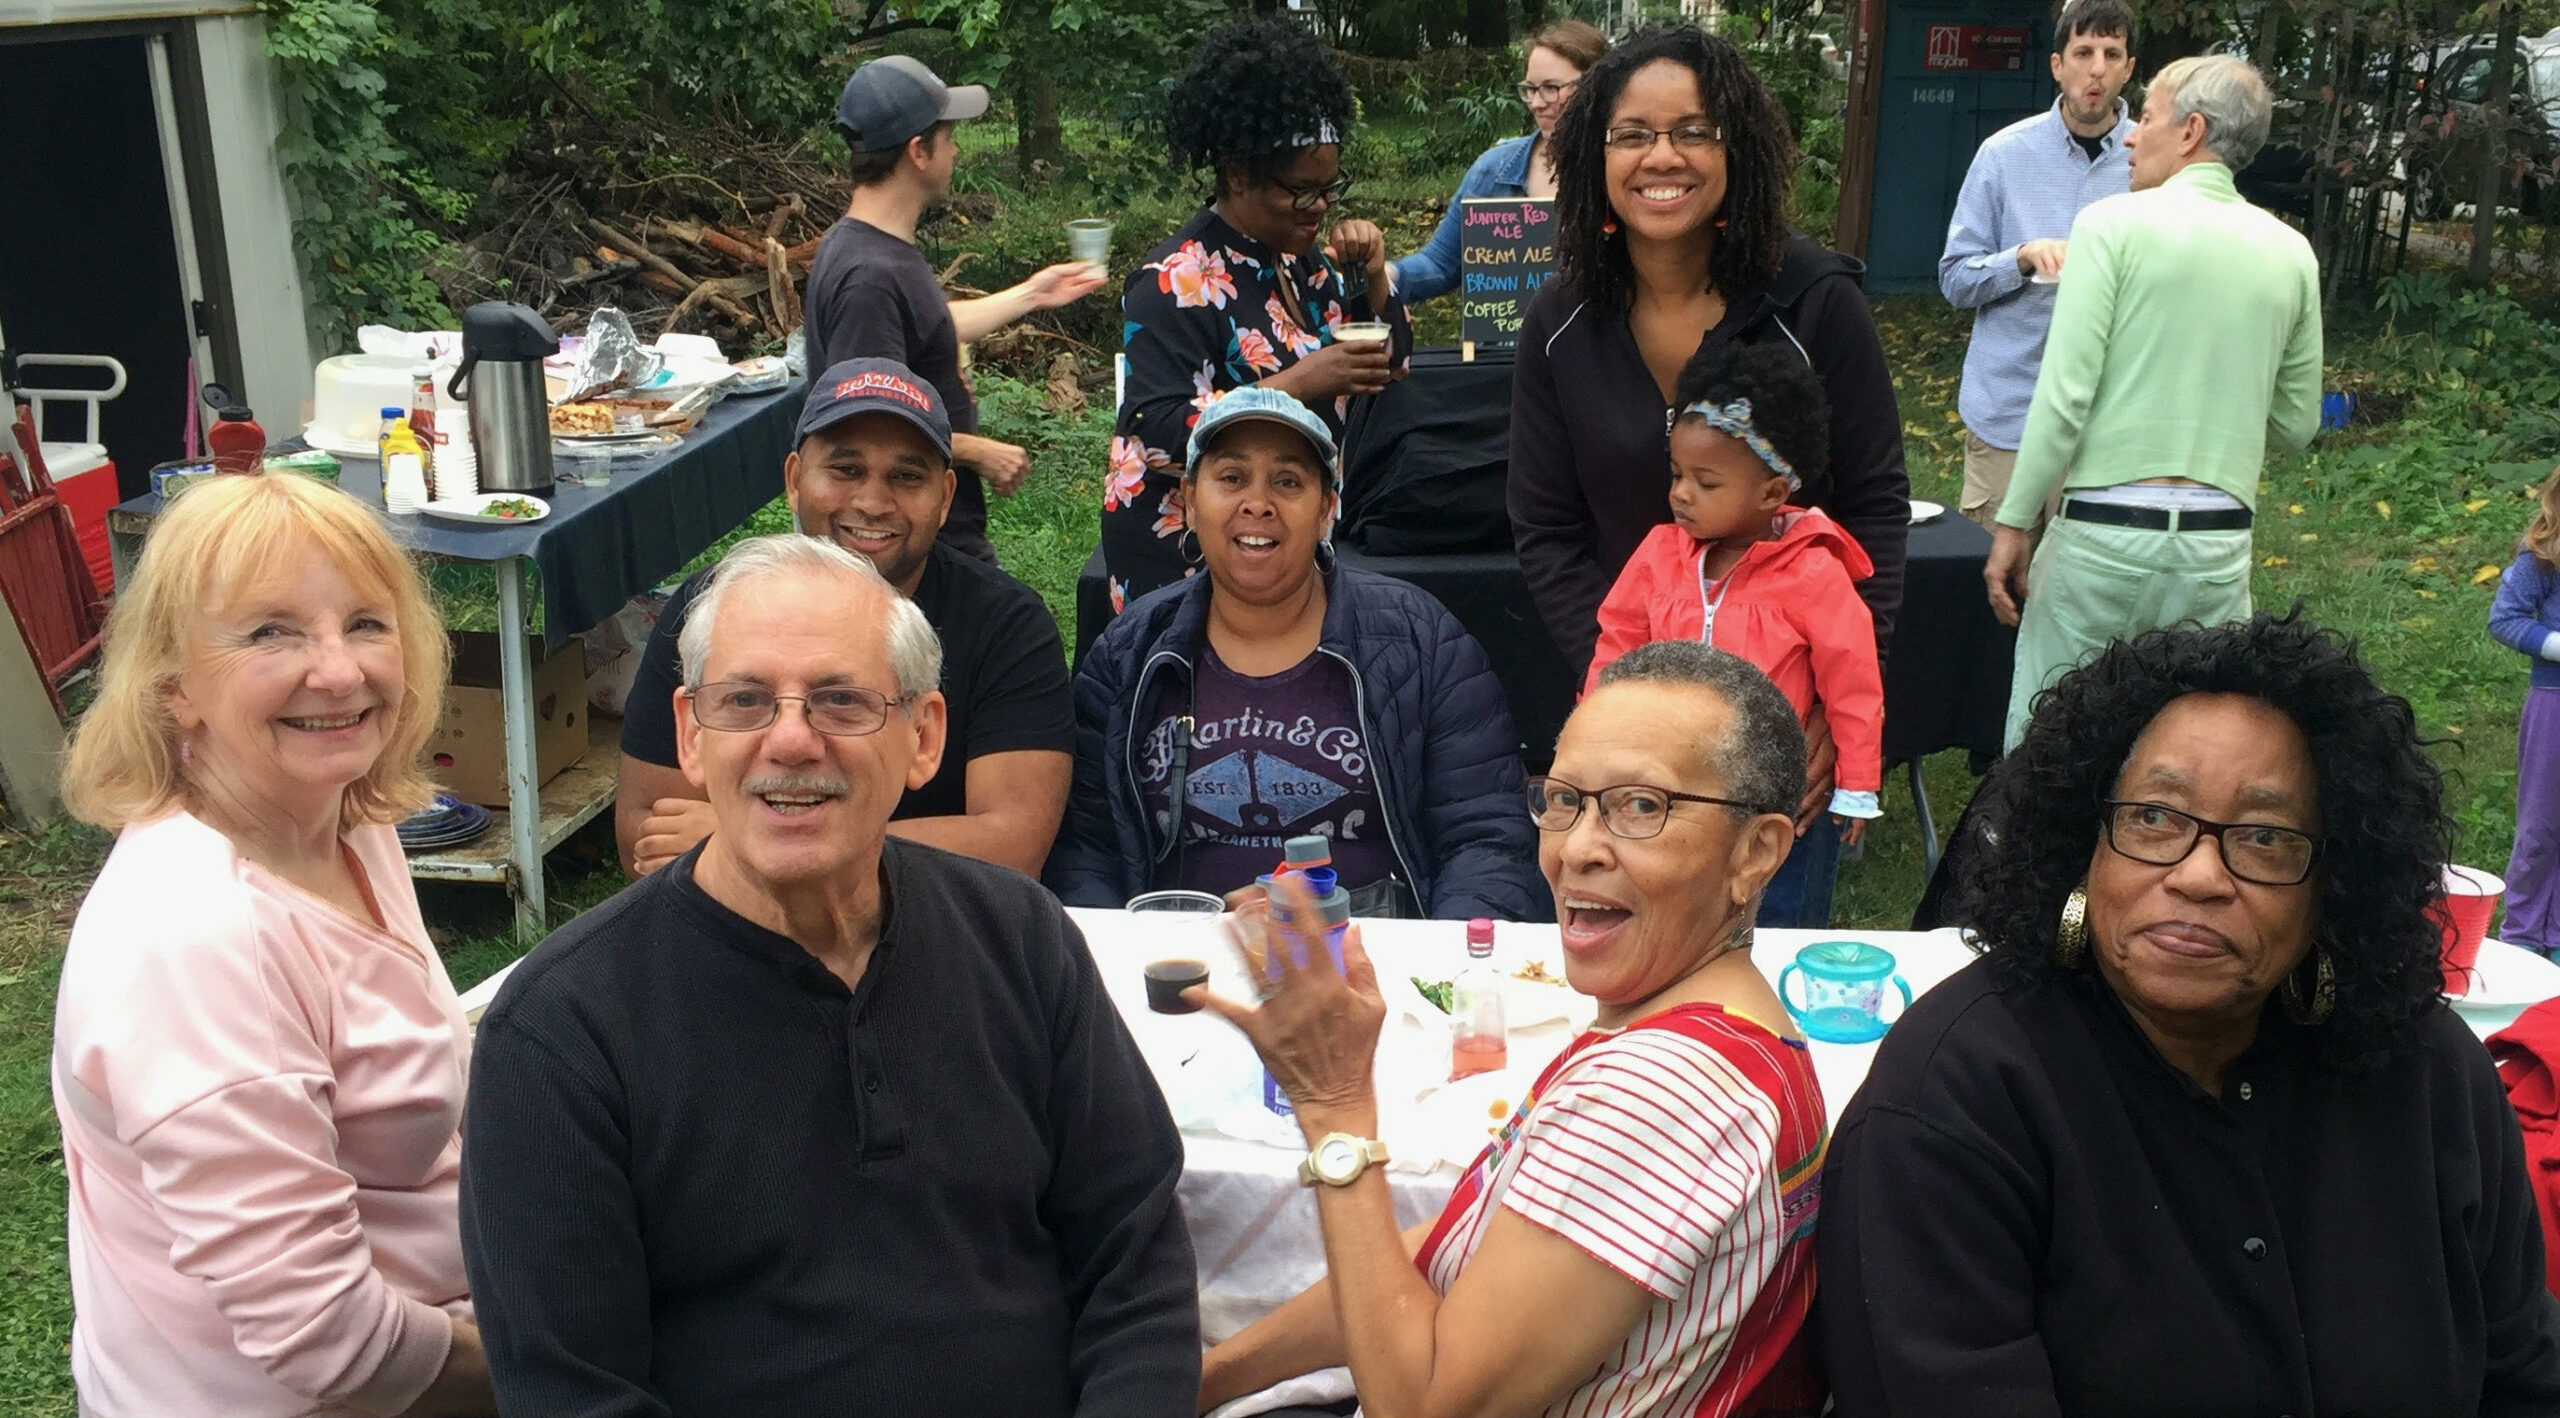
1735	419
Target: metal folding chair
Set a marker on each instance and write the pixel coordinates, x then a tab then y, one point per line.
43	575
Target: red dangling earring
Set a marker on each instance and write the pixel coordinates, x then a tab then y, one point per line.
1608	226
1720	221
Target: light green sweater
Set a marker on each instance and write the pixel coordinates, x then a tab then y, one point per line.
2186	335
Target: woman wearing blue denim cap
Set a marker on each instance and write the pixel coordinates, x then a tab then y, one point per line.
1279	695
1551	71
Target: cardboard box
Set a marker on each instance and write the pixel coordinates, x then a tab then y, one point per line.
468	750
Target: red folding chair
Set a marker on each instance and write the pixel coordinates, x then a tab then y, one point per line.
43	575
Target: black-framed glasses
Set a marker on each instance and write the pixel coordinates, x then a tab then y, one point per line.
1549	92
1307	199
842	711
1633	811
1688	137
2158	835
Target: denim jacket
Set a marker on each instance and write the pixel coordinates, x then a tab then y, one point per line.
1503	171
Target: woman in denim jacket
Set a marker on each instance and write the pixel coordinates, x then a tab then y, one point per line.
1514	167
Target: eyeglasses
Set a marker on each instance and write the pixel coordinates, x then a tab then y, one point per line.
1689	137
1307	199
842	711
2257	852
1548	92
1633	811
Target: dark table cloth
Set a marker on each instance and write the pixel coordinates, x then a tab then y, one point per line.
1424	467
603	545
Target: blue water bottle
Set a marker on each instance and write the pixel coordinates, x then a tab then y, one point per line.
1335	903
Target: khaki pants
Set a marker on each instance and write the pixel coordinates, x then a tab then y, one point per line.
1986	481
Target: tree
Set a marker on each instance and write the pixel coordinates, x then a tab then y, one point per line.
2493	150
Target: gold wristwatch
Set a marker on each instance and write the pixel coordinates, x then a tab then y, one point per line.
1338	1159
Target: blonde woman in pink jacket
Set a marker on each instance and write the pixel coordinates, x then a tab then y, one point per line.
258	1059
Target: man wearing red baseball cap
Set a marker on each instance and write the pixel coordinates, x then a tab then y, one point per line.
872	473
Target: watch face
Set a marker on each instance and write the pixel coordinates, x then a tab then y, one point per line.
1337	1157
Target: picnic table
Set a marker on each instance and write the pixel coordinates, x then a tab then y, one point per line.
599	547
1254	1231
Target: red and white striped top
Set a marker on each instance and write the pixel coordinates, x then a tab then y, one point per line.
1682	1152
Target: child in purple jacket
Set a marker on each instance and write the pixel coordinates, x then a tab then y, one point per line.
2526	619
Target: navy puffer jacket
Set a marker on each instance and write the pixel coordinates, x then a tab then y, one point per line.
1438	726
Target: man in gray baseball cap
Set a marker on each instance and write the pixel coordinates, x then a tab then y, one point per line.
871	294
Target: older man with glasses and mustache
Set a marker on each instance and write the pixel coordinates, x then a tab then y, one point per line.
872	473
817	1119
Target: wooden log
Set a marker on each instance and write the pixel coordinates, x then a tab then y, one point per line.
779	287
783	211
713	240
640	252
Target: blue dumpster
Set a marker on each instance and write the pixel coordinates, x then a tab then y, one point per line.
1953	75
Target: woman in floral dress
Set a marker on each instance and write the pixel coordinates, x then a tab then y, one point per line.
1243	293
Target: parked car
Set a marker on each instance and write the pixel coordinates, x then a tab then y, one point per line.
2447	128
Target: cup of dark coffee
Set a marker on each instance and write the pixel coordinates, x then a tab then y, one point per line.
1167	979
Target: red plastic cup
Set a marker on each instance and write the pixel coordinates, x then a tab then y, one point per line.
2470	899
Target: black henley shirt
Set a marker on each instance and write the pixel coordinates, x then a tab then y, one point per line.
702	1177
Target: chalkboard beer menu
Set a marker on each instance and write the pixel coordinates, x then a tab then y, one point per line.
1506	250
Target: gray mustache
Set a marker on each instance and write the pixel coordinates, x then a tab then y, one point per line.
795	784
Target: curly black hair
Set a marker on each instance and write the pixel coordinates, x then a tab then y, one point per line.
1788	407
2381	801
1759	157
1253	96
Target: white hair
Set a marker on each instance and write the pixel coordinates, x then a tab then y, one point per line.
915	652
2231	95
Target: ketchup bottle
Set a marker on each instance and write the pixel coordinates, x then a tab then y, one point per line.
237	443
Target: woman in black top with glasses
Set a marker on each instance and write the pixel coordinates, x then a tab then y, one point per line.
1672	168
1244	293
2197	1135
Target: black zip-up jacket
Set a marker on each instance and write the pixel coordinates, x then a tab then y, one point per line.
1590	437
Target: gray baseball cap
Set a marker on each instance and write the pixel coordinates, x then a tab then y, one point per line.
888	101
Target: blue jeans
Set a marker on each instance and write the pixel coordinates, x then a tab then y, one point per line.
1800	894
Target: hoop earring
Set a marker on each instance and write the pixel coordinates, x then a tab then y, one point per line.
1187	546
2071	942
2324	993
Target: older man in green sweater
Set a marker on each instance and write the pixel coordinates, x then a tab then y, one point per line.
2186	337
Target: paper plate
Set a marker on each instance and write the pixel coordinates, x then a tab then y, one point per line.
2510	977
1922	511
335	442
474	509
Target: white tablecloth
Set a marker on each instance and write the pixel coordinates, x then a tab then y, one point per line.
1253	1227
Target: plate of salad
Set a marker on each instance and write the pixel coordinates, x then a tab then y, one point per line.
490	509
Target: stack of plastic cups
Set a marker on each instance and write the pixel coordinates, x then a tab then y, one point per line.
404	483
457	466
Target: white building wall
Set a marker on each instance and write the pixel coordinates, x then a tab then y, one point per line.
82	12
257	219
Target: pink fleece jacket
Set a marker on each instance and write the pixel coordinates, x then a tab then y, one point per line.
261	1104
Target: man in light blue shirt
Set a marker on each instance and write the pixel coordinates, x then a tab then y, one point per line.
2005	246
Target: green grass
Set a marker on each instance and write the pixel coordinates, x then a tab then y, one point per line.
2401	579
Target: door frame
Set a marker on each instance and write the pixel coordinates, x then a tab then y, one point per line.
186	160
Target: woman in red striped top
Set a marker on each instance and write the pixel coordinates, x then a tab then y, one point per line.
1638	1241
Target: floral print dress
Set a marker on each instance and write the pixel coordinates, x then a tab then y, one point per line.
1204	315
